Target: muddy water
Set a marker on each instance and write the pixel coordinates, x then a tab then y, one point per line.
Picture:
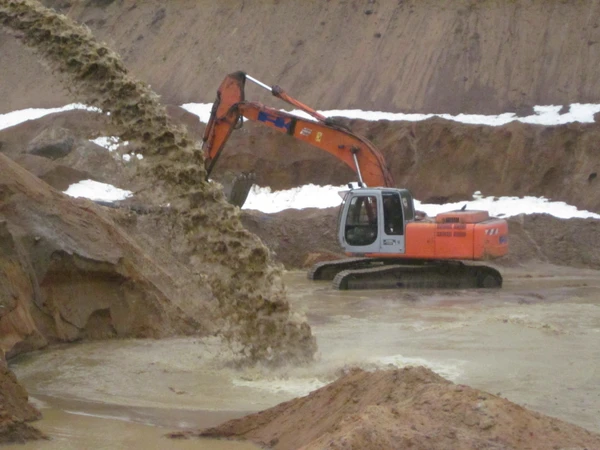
536	342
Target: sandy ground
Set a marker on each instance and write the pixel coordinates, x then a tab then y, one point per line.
535	343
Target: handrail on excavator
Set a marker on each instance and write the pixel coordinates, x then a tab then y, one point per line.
281	94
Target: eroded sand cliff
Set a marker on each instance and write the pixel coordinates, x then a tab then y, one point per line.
414	55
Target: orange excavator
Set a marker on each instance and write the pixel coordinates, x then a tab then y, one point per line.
387	243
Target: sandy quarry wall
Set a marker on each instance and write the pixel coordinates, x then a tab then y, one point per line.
410	55
438	160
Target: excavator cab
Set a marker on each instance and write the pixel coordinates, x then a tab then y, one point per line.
373	220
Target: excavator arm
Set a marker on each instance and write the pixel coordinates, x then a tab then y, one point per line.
230	107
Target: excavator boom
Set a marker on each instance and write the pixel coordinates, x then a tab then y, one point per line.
230	106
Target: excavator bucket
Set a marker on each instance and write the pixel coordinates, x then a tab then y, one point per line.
236	186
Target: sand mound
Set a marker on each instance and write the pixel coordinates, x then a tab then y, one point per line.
398	409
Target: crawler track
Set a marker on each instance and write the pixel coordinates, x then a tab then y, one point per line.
366	273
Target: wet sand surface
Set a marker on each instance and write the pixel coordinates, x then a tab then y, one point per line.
535	342
76	431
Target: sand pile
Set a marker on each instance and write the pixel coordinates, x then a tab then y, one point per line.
234	263
398	409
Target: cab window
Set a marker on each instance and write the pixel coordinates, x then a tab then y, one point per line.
361	221
409	208
393	218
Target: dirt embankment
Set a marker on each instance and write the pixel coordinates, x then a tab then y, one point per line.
438	160
70	273
291	234
398	409
185	48
414	55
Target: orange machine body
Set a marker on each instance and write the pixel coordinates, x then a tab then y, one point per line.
381	223
485	240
